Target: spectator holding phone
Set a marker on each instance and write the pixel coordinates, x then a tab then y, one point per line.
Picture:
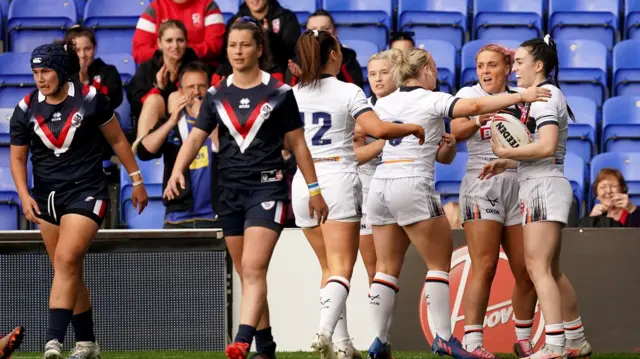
614	209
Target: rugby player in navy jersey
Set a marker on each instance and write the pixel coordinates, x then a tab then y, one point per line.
61	123
255	116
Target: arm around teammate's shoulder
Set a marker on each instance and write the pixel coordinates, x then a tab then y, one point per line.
466	107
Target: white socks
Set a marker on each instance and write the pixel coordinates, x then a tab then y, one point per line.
554	335
438	297
574	332
472	337
334	298
524	329
382	297
341	333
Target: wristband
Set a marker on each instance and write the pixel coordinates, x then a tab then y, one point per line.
137	183
478	123
136	177
314	189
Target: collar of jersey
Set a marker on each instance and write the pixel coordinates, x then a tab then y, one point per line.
545	82
325	76
409	88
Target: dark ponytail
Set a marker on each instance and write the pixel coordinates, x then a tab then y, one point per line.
73	65
313	49
546	50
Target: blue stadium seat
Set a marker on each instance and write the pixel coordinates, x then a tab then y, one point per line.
364	50
435	19
5	118
302	8
362	19
583	69
628	163
621	124
507	19
470	49
582	133
10	207
34	22
4	8
114	23
444	53
80	5
123	62
576	172
447	178
228	8
626	68
631	19
10	96
584	19
15	69
124	114
153	215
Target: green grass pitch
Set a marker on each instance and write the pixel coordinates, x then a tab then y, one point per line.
299	355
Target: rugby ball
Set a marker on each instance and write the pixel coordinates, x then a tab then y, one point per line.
510	131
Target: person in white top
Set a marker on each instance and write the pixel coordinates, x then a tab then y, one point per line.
545	199
402	196
329	109
491	212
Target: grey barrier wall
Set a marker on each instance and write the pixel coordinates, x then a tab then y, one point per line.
603	265
153	290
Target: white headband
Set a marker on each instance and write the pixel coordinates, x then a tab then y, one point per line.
547	39
316	33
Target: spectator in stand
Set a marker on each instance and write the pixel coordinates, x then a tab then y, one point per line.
193	207
203	21
402	41
615	209
275	20
350	71
157	78
104	77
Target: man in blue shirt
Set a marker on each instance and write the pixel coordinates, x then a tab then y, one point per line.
193	208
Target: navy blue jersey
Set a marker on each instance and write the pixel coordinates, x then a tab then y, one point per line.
64	139
253	123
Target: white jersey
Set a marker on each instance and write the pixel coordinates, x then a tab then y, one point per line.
405	157
369	168
479	144
328	111
552	112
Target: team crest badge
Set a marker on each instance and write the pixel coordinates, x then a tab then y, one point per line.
268	205
76	119
276	25
265	110
195	18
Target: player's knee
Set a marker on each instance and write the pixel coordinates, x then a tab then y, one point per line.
484	269
537	269
521	275
252	274
67	263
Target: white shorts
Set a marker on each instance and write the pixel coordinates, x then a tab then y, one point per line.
495	199
545	199
403	201
341	191
365	178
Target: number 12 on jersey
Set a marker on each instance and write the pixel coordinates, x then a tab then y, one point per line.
318	118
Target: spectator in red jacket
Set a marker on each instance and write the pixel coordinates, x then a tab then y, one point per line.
202	18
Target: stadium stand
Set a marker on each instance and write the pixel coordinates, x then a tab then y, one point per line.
628	163
433	19
621	124
468	67
33	22
15	70
228	8
10	207
583	69
153	215
302	9
448	178
362	19
114	23
576	172
595	20
626	68
123	62
582	133
364	50
631	19
445	55
507	19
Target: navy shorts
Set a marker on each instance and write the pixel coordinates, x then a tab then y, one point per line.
239	209
91	201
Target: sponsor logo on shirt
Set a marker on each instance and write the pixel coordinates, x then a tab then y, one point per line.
245	103
57	116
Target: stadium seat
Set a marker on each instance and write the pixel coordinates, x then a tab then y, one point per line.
362	19
507	19
583	69
4	8
435	19
5	118
10	96
123	62
10	207
626	68
448	178
470	49
302	8
582	133
80	5
228	8
631	19
595	20
31	23
628	163
444	53
124	114
621	124
575	171
364	50
114	23
15	69
153	216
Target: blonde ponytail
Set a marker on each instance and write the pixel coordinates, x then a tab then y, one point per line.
407	65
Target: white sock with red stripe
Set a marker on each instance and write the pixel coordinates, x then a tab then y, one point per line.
524	329
554	337
472	337
437	293
574	333
334	298
382	297
341	333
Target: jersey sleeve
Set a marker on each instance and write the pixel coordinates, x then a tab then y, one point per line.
546	113
207	119
290	112
101	111
19	125
465	92
443	103
358	103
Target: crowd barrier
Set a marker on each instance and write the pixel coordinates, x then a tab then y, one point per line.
174	290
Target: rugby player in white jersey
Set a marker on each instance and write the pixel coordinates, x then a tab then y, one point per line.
491	212
545	197
329	109
402	195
